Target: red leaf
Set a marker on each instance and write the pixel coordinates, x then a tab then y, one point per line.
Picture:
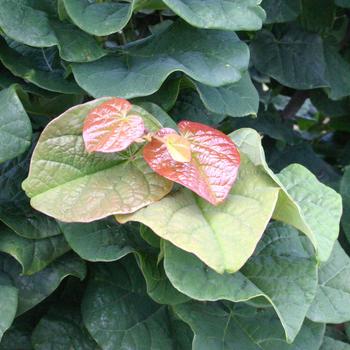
214	165
109	127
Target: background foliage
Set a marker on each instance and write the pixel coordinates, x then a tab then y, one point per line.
281	67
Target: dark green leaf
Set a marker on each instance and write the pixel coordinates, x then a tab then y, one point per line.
295	60
62	329
141	68
345	192
38	66
33	289
119	314
103	240
33	255
15	128
8	302
278	11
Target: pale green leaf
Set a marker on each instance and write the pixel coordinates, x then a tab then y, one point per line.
282	270
222	236
220	14
303	202
8	302
141	68
243	328
332	301
15	127
71	185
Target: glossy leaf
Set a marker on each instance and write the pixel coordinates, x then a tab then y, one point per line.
143	67
220	14
102	240
214	165
119	314
15	128
33	255
242	327
282	270
112	127
332	301
8	302
62	329
15	210
178	147
33	289
302	198
119	182
223	236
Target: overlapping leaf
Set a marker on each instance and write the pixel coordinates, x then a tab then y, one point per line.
112	127
142	68
279	11
119	314
34	23
224	236
282	270
63	176
303	202
15	127
102	240
62	328
220	14
37	66
99	18
345	192
242	327
33	289
8	302
332	301
15	210
210	168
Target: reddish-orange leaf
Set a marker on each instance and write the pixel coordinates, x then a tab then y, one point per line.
111	127
214	165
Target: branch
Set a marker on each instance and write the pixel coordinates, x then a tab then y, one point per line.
294	105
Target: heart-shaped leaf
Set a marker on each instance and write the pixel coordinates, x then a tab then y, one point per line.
212	169
70	184
109	127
